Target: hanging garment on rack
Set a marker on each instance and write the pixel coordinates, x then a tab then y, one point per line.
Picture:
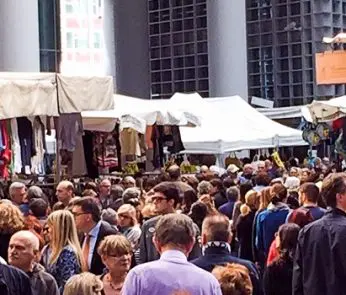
6	154
26	140
78	160
128	142
16	150
69	127
37	161
105	150
88	143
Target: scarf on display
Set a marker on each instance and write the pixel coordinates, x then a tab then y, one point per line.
216	244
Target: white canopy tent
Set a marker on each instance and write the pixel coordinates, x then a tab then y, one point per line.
231	124
138	113
326	110
40	94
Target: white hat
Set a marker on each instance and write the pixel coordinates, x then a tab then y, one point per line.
232	168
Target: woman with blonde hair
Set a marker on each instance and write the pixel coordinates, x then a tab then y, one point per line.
116	253
11	221
65	259
84	284
245	223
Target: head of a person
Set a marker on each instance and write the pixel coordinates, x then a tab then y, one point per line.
251	202
131	195
294	172
309	193
216	228
85	283
116	253
105	188
189	198
109	215
268	164
232	170
86	213
248	169
65	192
217	185
11	218
234	279
334	190
265	198
305	175
278	193
166	197
261	167
17	193
39	208
204	171
127	216
229	182
286	240
89	193
232	194
204	188
62	232
35	192
198	212
243	189
128	181
174	172
301	217
174	232
292	183
23	250
116	192
262	179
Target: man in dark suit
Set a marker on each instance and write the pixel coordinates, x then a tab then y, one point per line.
87	217
216	238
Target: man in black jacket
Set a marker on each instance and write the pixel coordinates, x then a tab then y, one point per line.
87	216
165	198
13	281
320	263
216	238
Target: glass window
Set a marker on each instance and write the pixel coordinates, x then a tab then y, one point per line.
69	40
97	40
69	8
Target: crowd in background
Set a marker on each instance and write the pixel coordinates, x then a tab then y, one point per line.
252	229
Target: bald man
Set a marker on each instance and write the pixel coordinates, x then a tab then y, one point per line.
23	252
64	192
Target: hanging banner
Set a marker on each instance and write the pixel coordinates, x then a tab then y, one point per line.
331	67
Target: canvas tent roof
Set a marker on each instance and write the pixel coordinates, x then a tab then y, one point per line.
38	94
327	110
231	124
137	113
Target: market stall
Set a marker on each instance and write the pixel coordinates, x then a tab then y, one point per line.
28	101
231	124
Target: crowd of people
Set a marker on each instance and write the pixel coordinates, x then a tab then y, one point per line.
254	229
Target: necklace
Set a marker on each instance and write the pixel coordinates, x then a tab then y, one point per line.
109	280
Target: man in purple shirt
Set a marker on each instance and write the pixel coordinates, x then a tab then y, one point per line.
172	274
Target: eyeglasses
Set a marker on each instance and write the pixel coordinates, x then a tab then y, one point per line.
76	214
158	199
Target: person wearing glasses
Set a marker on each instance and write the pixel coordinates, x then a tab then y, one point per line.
128	224
165	199
116	254
87	215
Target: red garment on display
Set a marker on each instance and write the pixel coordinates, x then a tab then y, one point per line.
6	153
337	124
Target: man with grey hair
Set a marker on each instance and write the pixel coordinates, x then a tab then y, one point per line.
232	195
174	239
204	188
23	252
17	193
128	182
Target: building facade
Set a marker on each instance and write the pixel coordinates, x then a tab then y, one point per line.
282	39
192	47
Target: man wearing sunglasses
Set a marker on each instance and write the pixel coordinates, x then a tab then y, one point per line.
165	199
